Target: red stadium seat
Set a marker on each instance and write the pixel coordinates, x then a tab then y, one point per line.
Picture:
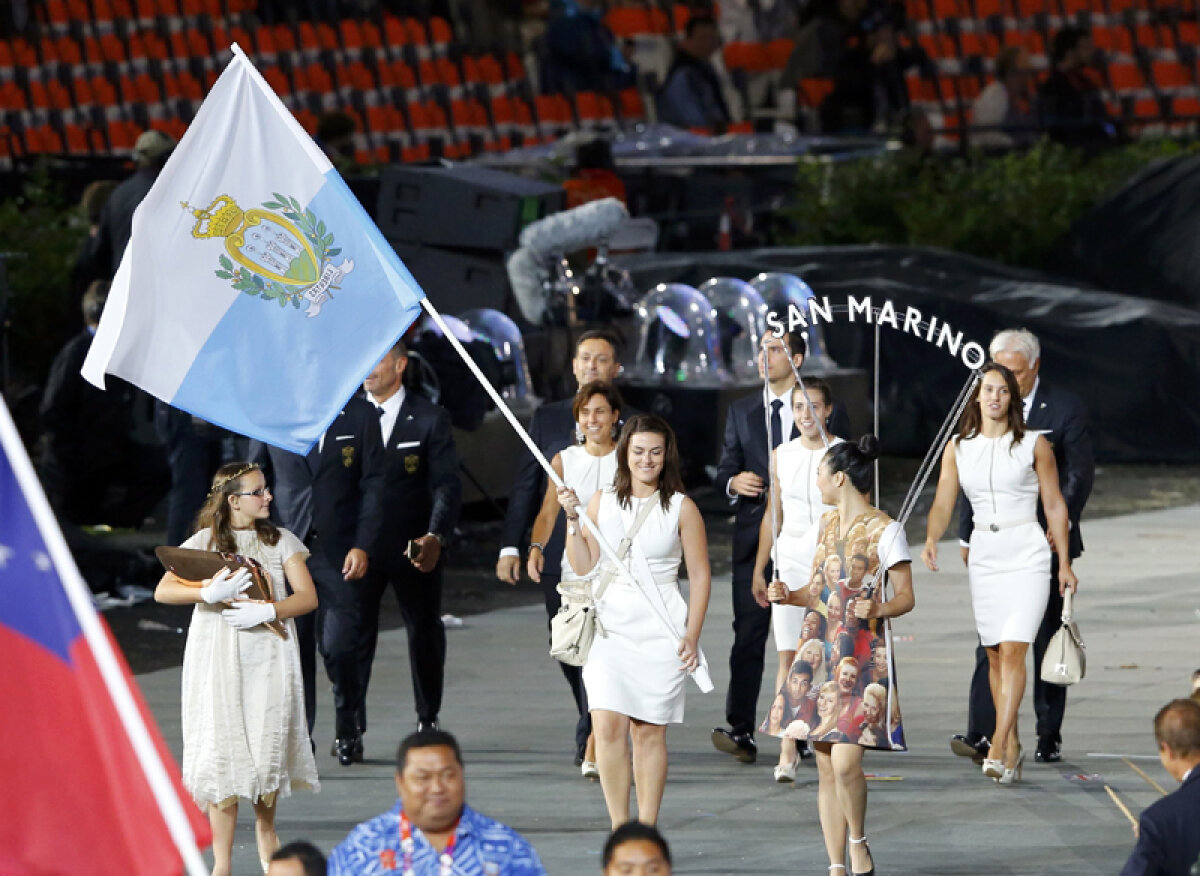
812	92
1125	77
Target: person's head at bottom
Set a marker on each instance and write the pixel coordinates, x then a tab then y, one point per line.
297	859
1177	732
636	849
429	779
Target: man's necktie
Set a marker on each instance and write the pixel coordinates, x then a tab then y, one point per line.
776	423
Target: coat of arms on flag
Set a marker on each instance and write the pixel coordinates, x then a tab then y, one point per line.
285	256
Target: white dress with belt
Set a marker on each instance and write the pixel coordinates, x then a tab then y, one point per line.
1009	564
586	475
634	668
796	467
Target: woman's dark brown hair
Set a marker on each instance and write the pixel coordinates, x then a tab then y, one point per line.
215	514
670	481
596	387
972	418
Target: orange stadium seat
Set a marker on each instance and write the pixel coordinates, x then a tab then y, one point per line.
778	53
633	108
812	92
629	21
1170	75
1124	77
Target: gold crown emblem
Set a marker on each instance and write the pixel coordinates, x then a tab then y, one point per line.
221	218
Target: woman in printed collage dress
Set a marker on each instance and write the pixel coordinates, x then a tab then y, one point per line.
859	553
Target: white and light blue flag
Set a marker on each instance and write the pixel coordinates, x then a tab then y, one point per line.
255	293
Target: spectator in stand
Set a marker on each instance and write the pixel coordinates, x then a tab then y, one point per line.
691	94
150	152
869	93
1069	104
582	54
1003	112
824	38
758	21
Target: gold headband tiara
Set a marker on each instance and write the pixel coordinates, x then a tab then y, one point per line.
220	485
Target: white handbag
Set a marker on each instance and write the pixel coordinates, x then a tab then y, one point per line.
1065	660
574	627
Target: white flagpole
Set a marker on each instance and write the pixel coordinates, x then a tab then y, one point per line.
110	670
700	673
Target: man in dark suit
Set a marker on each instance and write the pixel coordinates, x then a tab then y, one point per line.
1168	841
742	475
597	357
332	500
421	501
1062	417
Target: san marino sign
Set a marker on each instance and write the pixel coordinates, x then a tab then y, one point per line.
862	311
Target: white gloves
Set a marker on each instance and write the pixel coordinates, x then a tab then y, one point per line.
244	615
225	586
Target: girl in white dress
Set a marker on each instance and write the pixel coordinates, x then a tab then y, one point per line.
1004	470
798	507
636	671
244	729
586	468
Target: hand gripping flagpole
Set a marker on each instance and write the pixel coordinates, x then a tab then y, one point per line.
79	597
700	673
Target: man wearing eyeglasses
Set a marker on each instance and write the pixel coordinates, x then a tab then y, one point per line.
332	498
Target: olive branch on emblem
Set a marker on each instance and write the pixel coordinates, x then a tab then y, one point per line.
319	238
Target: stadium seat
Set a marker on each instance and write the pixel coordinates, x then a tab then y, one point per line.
632	107
811	92
1125	78
1170	76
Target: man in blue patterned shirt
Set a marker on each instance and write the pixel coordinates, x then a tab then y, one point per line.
431	831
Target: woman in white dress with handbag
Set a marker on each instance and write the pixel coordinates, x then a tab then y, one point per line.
244	730
1004	469
649	637
798	507
586	468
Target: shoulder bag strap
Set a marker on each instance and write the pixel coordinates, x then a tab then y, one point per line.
627	542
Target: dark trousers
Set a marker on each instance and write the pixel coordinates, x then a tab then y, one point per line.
751	624
420	598
1049	700
573	674
338	630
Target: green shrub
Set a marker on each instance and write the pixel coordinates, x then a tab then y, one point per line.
1012	208
40	233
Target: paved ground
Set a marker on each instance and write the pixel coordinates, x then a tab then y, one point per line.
930	812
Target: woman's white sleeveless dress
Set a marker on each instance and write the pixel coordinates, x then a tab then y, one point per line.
634	668
796	467
586	475
1009	564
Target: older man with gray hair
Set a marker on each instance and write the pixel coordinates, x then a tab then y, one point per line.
1059	415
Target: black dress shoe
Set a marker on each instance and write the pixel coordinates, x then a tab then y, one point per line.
348	750
965	746
426	726
1048	751
740	745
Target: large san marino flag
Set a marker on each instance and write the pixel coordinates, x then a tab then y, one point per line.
255	293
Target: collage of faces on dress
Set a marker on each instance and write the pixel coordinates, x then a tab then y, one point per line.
842	686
